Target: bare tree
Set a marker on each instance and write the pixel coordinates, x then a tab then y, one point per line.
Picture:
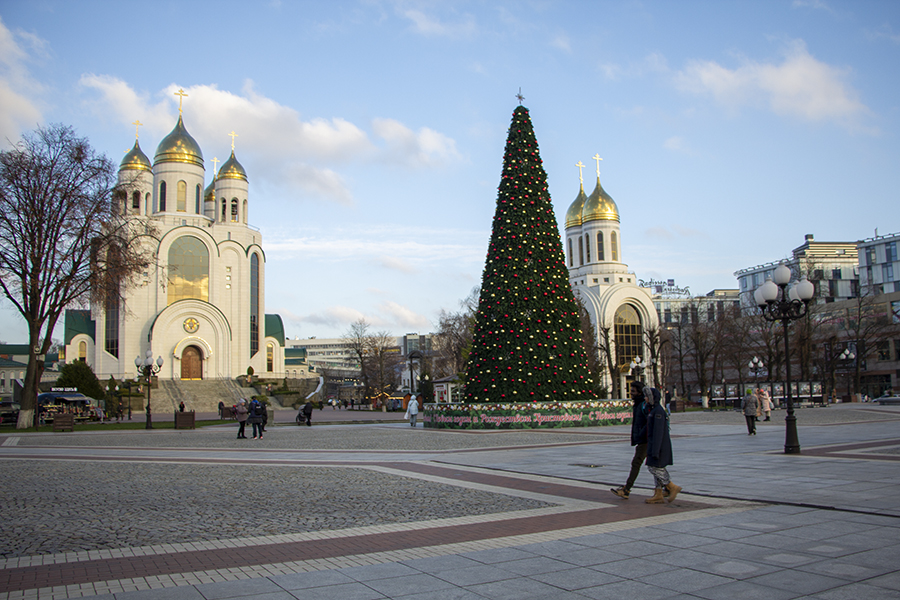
383	361
605	333
356	338
454	337
61	241
591	351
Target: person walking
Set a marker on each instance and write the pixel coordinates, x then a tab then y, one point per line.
307	412
750	406
241	413
181	406
412	410
765	403
256	418
638	438
659	449
221	408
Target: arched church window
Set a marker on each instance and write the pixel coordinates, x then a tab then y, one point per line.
234	210
270	357
188	270
587	247
147	200
254	304
136	201
580	251
600	247
571	257
82	351
181	202
629	334
244	216
613	247
111	334
224	208
162	196
197	194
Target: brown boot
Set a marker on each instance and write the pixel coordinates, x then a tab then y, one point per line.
657	497
673	490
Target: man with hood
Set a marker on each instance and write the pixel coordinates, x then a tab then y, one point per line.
659	448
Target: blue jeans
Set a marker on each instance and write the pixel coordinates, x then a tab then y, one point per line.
257	429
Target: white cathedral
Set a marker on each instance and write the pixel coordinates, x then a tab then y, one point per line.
201	305
601	279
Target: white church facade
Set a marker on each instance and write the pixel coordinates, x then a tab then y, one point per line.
601	280
201	304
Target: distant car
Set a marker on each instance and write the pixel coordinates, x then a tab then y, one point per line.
9	411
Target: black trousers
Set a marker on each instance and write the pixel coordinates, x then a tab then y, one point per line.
751	423
241	425
640	455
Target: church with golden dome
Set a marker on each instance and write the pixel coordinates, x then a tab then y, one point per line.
201	306
601	280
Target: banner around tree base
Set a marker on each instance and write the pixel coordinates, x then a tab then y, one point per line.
526	415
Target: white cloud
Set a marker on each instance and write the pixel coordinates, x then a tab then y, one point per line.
402	317
431	25
425	147
814	4
395	263
561	41
676	144
886	32
18	89
274	143
800	86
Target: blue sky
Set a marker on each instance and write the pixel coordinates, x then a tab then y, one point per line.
373	131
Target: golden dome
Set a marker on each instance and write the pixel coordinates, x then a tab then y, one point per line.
232	169
135	160
599	206
573	215
210	192
179	146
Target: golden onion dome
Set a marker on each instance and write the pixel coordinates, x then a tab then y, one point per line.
573	215
179	146
135	159
232	169
599	206
210	192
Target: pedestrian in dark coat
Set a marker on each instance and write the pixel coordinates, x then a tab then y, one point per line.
659	448
638	438
307	413
256	418
750	406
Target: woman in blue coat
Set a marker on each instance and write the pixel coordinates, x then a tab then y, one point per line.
659	448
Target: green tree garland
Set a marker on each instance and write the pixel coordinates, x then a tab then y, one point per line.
527	340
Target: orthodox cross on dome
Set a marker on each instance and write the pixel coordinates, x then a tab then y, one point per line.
520	96
180	93
580	166
598	159
233	135
137	124
215	162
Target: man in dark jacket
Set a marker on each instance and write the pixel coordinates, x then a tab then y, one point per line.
638	438
659	448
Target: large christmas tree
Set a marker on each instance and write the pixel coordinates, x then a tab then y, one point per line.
527	340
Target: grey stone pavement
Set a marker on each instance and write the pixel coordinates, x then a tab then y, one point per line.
378	510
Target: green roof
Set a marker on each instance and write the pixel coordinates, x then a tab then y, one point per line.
79	321
275	328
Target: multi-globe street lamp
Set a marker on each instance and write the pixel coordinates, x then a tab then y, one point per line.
847	355
756	367
147	368
637	367
777	304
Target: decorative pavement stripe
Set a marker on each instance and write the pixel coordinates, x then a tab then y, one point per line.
862	450
577	512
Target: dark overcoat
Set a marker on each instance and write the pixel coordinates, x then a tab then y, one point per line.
659	445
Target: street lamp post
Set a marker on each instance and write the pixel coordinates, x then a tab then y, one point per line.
637	367
777	304
756	367
848	355
147	368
